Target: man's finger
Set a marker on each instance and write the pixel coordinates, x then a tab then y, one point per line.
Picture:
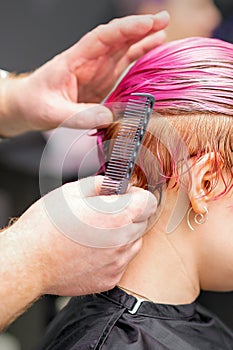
139	49
123	30
143	205
142	47
87	187
84	115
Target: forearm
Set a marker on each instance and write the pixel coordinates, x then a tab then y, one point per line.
12	121
20	273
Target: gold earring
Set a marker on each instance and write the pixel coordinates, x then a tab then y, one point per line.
199	218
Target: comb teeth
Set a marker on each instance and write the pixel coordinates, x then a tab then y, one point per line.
127	144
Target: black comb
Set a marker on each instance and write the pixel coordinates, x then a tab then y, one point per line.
127	144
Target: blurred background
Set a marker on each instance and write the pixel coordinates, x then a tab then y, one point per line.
32	32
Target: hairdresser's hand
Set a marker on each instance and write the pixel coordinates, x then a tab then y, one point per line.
65	90
41	254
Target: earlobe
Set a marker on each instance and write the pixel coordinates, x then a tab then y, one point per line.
204	177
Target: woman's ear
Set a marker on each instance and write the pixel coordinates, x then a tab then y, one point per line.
204	180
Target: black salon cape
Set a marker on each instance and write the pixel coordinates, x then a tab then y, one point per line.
104	321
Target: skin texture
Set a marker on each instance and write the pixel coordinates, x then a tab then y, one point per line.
172	268
36	257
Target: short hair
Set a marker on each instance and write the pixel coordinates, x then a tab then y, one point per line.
191	80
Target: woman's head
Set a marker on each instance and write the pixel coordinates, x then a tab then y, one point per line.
191	81
190	136
192	125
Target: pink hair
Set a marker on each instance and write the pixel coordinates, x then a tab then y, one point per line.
192	76
183	75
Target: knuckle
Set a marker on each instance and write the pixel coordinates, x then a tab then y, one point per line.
136	212
123	249
100	28
114	21
112	281
66	187
118	264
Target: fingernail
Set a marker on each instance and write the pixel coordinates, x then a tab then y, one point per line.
163	15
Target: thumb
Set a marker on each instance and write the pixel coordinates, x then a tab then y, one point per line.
86	187
84	115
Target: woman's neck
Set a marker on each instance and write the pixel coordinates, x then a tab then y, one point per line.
165	270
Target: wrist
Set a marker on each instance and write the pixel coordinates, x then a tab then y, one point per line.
12	117
20	277
33	254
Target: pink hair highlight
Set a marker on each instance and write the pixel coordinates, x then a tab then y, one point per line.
192	77
183	75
